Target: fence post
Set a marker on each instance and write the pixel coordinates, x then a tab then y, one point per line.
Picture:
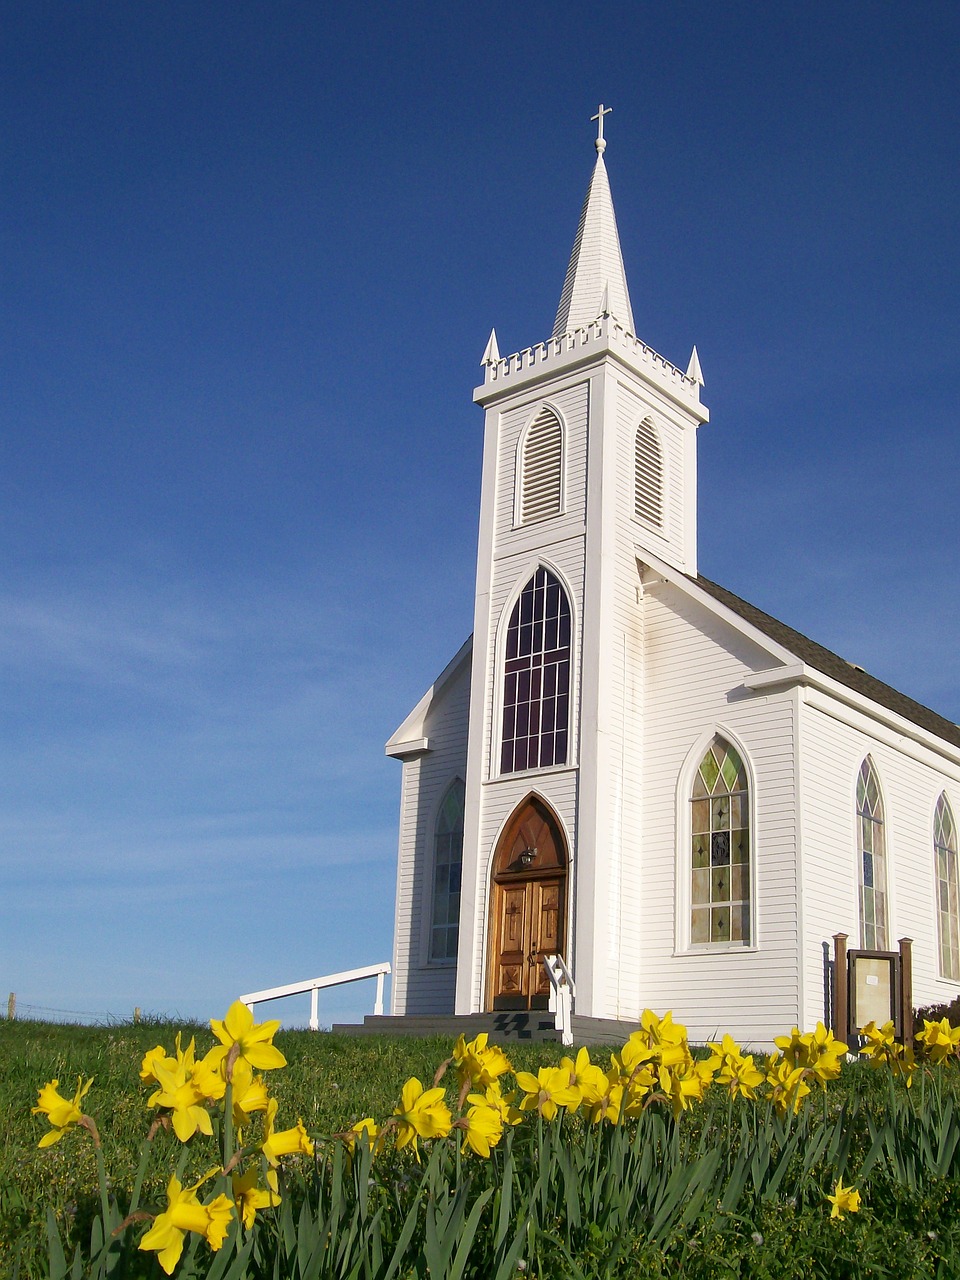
840	1019
314	1009
906	991
378	1002
12	1006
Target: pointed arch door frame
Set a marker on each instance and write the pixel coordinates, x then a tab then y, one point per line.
528	906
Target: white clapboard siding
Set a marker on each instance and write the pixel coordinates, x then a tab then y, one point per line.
834	744
692	666
421	987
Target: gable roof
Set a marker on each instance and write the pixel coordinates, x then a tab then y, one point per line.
832	665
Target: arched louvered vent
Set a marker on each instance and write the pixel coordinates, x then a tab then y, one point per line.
540	468
648	494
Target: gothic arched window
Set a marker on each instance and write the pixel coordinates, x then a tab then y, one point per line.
648	463
447	863
873	860
720	829
948	889
536	677
541	467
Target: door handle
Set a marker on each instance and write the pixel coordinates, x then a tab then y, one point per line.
532	957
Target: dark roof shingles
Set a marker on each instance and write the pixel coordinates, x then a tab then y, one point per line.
830	664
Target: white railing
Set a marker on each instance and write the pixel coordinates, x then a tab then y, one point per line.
562	991
313	985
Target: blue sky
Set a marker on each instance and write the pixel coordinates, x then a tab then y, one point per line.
251	255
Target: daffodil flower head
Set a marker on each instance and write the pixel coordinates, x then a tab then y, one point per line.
184	1213
547	1091
287	1142
249	1196
153	1056
367	1131
844	1200
482	1128
248	1040
478	1062
182	1089
63	1113
421	1113
939	1039
493	1096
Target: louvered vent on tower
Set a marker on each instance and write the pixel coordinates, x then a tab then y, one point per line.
540	468
648	497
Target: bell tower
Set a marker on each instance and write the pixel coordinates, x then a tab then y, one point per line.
589	475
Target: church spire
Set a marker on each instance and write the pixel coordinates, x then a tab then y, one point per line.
595	280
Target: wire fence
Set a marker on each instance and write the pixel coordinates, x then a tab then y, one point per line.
23	1010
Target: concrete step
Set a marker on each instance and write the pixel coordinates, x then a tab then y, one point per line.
536	1025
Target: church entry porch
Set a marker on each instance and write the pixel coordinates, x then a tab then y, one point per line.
528	907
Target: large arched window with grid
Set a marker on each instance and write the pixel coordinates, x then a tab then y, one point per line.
536	677
873	859
541	469
720	828
447	863
948	889
648	474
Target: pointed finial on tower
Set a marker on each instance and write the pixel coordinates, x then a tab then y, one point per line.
694	372
605	300
600	143
491	353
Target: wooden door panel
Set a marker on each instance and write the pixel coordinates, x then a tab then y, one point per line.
528	907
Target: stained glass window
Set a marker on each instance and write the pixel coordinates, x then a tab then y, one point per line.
948	898
536	680
720	830
873	860
447	861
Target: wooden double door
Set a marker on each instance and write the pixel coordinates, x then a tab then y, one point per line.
528	907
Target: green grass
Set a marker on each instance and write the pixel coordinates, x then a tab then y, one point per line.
330	1081
909	1227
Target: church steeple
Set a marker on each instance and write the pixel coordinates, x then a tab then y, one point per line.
596	283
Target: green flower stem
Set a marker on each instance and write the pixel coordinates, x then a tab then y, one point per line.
228	1124
104	1192
145	1149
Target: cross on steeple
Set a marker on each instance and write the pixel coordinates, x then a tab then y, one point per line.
600	143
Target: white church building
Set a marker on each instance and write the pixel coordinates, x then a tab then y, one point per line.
627	764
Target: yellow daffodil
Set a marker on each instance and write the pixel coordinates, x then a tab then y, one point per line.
684	1085
492	1096
287	1142
185	1086
249	1196
249	1094
422	1113
478	1062
62	1113
817	1052
734	1069
787	1084
547	1091
883	1050
605	1103
482	1128
252	1039
184	1213
844	1200
940	1040
364	1130
153	1056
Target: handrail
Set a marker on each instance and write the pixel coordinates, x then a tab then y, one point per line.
313	985
562	991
